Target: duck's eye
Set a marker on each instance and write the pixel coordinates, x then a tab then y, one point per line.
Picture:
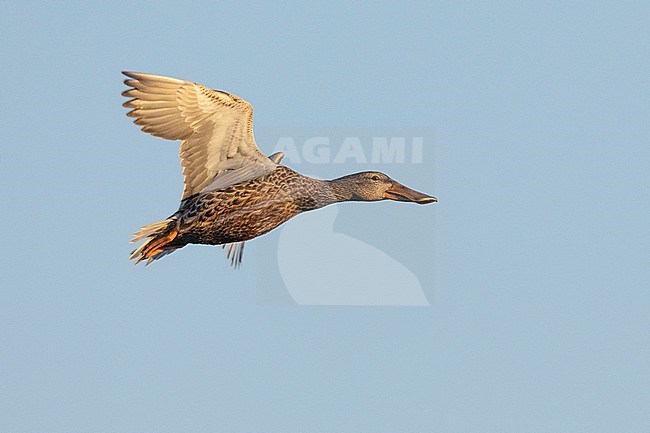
375	177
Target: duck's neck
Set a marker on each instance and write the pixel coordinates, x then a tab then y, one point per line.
341	189
325	192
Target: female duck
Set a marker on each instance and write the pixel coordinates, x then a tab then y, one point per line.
232	192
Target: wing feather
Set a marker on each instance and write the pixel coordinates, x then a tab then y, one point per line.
218	148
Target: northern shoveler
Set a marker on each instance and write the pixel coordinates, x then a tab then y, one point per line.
233	192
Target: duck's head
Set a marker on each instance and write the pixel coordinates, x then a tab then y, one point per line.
374	186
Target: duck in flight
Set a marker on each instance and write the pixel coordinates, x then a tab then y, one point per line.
233	192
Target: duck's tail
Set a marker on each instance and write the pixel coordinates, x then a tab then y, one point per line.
157	238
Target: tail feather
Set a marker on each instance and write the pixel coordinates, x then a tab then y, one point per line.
157	237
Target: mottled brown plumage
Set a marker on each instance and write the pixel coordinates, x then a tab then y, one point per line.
247	210
233	193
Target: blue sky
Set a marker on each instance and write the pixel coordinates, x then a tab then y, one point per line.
536	256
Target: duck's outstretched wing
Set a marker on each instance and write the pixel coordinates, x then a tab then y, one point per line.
216	128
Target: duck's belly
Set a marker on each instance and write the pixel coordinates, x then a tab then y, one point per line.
237	223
